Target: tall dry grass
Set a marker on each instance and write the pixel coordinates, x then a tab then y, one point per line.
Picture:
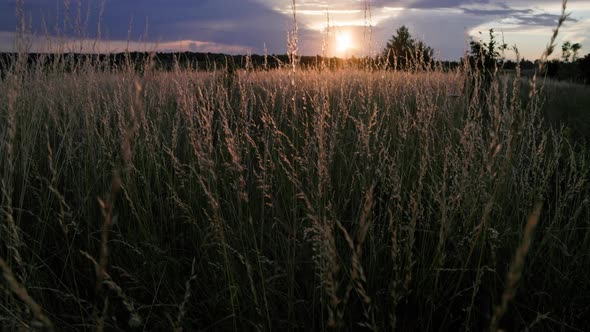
287	199
350	198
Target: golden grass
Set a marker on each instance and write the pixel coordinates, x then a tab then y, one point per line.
288	199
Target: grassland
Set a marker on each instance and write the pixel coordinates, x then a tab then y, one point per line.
291	200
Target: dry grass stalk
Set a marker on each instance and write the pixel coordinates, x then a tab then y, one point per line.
516	268
23	295
52	185
107	213
550	47
7	186
395	285
358	278
182	309
107	281
292	40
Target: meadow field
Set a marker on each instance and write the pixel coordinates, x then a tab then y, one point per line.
291	199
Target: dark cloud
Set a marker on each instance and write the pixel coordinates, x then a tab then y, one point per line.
496	12
234	22
541	19
241	24
523	16
434	4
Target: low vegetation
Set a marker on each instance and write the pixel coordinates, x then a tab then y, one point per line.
289	199
135	198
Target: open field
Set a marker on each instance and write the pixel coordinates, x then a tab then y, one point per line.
257	200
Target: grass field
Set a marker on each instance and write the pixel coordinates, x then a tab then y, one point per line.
292	200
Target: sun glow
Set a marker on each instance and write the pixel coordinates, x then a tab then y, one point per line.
344	42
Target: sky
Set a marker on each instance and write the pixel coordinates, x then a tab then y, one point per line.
326	27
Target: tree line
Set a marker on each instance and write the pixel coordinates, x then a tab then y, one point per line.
402	52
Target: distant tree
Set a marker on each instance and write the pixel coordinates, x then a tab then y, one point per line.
403	51
526	64
570	67
569	50
584	67
510	65
487	56
575	48
566	51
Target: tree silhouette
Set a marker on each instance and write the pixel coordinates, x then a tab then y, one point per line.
487	56
566	51
403	51
569	50
485	59
575	48
584	65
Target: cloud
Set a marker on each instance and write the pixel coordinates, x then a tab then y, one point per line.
525	16
436	4
234	22
236	25
38	44
496	12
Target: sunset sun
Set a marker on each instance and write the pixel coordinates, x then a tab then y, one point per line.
344	42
